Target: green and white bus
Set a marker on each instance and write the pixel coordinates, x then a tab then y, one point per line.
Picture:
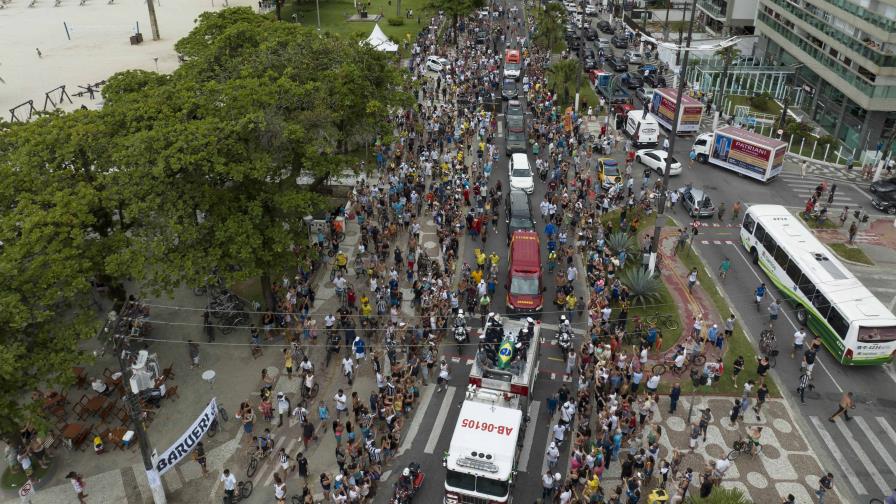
853	324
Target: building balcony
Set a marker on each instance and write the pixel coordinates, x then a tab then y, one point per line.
715	9
866	50
864	14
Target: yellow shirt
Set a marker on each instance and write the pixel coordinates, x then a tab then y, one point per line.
477	276
570	302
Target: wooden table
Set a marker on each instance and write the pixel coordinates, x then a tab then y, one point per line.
72	432
52	399
113	383
116	435
96	404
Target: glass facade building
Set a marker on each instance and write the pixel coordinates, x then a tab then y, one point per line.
846	56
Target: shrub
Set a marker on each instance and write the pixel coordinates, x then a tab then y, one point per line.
643	288
763	102
395	21
620	241
723	496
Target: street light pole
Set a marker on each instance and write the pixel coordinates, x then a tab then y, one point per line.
655	241
581	61
134	412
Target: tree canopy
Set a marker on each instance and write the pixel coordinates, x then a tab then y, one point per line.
176	175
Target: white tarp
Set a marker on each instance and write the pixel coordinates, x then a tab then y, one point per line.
379	41
184	446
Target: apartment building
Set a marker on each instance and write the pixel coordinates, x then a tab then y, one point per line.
848	71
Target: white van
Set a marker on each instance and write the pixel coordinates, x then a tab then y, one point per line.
521	173
642	127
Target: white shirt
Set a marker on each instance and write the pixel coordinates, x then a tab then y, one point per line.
679	360
229	481
547	481
799	337
348	365
280	490
340	401
653	382
339	282
329	320
559	432
722	465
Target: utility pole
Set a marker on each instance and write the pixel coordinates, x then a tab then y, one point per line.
153	22
684	10
134	412
581	56
666	25
655	240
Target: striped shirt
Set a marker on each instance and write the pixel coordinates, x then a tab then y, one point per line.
804	381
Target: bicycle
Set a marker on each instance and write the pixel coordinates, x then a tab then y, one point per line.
243	491
664	319
767	340
741	446
215	426
669	363
312	393
255	454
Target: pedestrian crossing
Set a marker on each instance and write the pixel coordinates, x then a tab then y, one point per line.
804	188
862	449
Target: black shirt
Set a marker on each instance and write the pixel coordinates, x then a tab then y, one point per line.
810	356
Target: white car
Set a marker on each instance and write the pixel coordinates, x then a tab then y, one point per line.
655	159
634	57
521	173
436	64
570	6
591	10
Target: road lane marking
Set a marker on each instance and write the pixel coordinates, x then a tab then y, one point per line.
838	456
418	418
786	317
878	447
863	457
887	428
440	421
530	435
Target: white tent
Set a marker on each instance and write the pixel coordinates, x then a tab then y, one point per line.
379	41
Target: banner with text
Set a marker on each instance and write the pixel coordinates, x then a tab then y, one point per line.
184	445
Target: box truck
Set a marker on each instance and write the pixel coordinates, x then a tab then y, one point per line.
662	105
742	151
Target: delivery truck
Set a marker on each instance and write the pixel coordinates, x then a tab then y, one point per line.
745	152
662	105
642	127
610	87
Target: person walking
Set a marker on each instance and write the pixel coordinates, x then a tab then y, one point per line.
735	412
721	211
193	349
761	395
799	339
199	457
804	166
735	211
736	368
229	481
692	279
724	268
853	229
705	419
846	403
553	455
774	309
759	293
825	484
79	487
674	395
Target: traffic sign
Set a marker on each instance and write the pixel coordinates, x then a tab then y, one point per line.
27	489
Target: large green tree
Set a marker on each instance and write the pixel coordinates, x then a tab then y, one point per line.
728	54
57	226
549	25
455	9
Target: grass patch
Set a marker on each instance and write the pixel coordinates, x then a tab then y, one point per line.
736	345
334	16
17	479
744	101
664	306
854	254
815	224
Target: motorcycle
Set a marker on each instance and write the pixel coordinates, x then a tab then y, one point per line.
860	215
564	341
408	484
332	346
461	335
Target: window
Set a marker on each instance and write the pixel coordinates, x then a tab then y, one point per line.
806	286
794	272
821	304
749	223
760	233
781	257
838	323
769	243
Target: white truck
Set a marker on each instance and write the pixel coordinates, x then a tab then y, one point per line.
643	128
742	151
485	447
662	105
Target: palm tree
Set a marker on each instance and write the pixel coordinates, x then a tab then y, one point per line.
723	496
727	53
564	74
549	25
455	9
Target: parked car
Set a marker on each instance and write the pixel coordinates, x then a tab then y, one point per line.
510	89
883	186
633	57
632	80
573	43
591	10
655	159
602	44
436	64
608	172
697	202
590	63
617	64
885	202
655	80
605	27
590	34
619	42
645	94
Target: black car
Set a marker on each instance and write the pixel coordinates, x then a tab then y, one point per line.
632	80
654	80
510	89
574	44
605	27
518	213
481	37
885	202
883	186
590	34
619	42
617	64
590	63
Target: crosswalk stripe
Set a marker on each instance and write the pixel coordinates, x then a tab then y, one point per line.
264	464
838	456
878	447
425	397
530	435
863	457
440	421
716	242
887	428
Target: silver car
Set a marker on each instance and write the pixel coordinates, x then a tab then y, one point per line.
697	202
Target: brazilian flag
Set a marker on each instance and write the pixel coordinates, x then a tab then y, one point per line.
505	353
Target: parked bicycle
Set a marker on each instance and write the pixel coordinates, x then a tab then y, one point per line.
668	362
215	425
665	320
243	491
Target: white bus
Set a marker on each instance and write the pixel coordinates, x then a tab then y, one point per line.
853	324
